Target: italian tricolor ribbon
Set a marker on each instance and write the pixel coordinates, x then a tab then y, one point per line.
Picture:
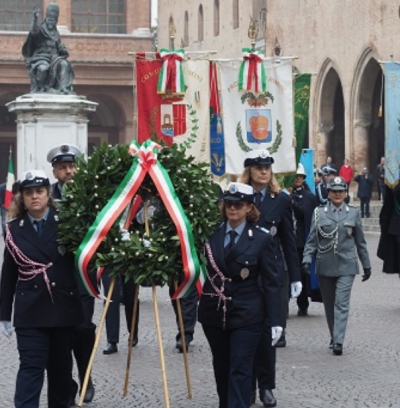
252	70
145	162
171	75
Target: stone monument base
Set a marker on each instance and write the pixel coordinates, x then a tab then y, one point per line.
45	121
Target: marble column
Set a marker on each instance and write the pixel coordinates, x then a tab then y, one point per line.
362	128
45	121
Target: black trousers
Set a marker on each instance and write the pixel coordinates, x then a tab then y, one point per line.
364	206
265	359
302	300
43	349
233	354
189	312
113	315
84	338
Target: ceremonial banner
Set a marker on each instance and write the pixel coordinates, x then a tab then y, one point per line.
392	122
217	153
258	120
307	160
302	85
175	118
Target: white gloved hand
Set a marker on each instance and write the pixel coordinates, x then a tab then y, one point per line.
140	215
125	235
276	333
151	211
295	289
6	328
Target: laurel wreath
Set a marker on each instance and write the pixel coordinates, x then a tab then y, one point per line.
94	183
271	149
250	95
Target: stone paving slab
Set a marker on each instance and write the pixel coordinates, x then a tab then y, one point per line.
308	374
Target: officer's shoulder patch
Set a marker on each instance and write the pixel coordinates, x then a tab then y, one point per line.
262	229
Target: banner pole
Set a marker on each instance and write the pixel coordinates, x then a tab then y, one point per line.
97	341
131	339
160	345
183	339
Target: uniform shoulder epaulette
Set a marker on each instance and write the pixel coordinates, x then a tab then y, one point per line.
12	220
262	229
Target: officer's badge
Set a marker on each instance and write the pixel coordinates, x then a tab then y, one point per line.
29	176
263	154
61	250
21	223
64	149
273	230
233	189
244	273
337	180
56	219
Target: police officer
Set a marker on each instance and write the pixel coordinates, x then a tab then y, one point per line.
321	191
63	158
335	238
233	306
276	216
303	202
38	288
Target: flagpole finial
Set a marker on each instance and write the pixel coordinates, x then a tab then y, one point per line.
252	32
172	31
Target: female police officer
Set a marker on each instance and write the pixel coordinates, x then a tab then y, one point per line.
233	306
336	237
38	282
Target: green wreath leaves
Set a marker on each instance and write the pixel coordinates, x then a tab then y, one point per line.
94	183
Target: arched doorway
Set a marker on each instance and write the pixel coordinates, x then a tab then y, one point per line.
106	123
369	136
332	122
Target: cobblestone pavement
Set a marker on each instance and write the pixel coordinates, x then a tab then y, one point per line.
308	375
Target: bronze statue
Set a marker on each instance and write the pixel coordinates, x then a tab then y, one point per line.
46	56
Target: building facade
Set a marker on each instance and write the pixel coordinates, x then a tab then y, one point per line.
98	34
342	42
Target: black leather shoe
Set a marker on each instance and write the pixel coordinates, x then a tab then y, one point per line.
281	342
74	392
337	349
331	344
267	398
253	397
179	345
135	341
89	394
302	312
111	348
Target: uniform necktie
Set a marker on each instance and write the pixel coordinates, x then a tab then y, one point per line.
38	226
257	198
231	243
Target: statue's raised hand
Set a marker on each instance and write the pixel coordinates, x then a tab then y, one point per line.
36	12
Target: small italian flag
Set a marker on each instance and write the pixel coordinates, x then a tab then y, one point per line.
10	182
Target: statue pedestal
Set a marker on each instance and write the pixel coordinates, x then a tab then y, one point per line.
45	121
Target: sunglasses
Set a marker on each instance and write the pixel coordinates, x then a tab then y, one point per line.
238	205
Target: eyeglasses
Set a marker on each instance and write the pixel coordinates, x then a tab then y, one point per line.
238	205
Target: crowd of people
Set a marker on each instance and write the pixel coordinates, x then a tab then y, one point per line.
272	245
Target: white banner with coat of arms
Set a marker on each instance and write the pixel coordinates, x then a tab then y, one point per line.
258	120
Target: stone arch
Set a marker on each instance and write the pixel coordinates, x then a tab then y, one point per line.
329	115
367	130
107	123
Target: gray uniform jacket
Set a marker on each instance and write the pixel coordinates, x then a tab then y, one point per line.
336	250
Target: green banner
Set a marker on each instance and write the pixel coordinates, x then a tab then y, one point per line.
301	96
